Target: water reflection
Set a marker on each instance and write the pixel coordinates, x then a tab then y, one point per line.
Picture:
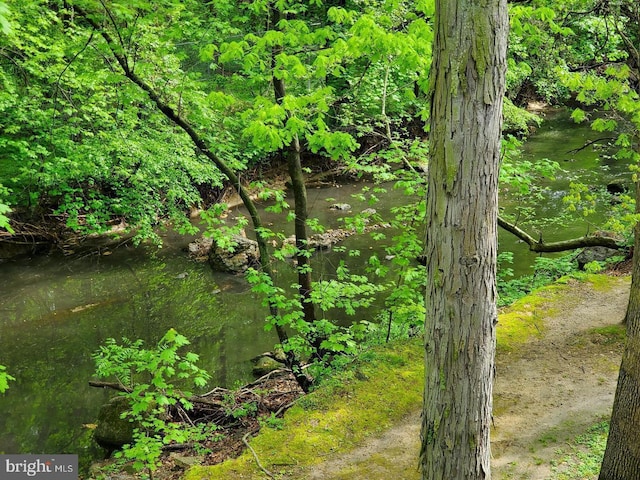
57	311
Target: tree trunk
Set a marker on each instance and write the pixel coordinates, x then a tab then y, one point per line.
467	87
633	308
294	165
622	455
303	253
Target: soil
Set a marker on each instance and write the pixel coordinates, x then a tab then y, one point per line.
555	387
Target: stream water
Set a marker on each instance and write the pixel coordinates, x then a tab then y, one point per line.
55	311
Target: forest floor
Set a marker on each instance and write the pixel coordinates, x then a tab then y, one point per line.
551	389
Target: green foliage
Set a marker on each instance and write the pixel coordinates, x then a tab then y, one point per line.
518	120
153	378
584	457
5	14
545	271
536	44
271	421
4	211
79	141
5	378
244	409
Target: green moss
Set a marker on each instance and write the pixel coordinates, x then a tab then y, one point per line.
600	282
608	335
337	423
525	318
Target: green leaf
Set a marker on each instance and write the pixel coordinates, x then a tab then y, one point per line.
578	115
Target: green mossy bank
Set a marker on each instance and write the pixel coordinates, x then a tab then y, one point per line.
383	386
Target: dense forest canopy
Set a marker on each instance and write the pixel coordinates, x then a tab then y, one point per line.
87	146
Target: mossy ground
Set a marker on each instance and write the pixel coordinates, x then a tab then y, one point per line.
359	402
380	389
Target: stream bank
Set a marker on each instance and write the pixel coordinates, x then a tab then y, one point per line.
550	385
56	309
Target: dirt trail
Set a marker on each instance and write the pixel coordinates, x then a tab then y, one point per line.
553	388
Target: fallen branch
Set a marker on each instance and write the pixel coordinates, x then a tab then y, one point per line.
255	455
576	150
560	246
121	388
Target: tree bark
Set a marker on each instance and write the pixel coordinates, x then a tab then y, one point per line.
621	459
294	165
467	88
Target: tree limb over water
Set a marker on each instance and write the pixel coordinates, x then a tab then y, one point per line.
563	245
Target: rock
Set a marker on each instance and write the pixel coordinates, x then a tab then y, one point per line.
340	206
592	254
199	249
243	255
265	365
322	241
112	431
185	461
268	362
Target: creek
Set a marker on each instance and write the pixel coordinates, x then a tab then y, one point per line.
55	310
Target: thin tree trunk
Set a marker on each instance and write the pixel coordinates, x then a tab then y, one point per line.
467	87
294	164
265	260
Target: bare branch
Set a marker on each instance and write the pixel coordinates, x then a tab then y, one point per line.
561	246
576	150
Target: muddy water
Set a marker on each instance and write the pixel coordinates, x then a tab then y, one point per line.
55	311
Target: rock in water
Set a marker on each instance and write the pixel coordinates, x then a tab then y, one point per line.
340	206
238	259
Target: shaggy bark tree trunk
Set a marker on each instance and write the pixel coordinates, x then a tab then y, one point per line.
467	87
622	455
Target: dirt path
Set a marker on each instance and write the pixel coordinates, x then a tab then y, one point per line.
552	389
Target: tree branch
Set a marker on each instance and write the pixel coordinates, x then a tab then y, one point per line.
292	361
121	388
561	246
255	455
576	150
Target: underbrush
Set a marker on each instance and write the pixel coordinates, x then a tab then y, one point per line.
582	458
545	272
